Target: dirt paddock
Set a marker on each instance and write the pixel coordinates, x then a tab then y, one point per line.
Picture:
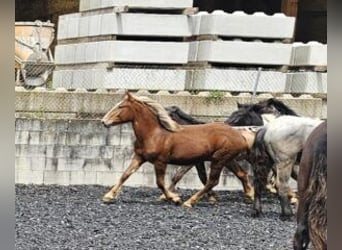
73	217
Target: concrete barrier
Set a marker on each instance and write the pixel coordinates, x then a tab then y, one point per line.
87	5
116	78
241	52
241	25
123	24
81	102
86	47
307	82
309	54
122	52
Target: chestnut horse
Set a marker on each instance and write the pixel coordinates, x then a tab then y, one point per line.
249	114
312	188
162	141
244	117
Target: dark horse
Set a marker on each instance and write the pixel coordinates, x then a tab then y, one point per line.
277	107
245	116
312	188
162	141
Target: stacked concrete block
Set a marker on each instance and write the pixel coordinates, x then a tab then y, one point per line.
152	79
73	26
122	52
309	54
242	25
238	80
86	5
307	82
92	45
91	54
68	26
241	52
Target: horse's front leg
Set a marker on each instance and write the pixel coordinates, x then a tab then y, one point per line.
136	162
160	169
283	175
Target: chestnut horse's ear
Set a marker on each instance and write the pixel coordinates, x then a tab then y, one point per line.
128	95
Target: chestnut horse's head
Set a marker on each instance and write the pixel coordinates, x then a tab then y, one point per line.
142	107
120	113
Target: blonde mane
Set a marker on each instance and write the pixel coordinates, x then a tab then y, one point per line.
164	118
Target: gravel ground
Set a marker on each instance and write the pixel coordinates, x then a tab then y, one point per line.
73	217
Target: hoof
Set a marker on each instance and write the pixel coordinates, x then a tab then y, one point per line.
187	205
162	197
177	200
271	189
286	217
212	200
250	195
256	213
108	199
293	200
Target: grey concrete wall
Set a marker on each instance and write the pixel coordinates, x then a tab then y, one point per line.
67	152
59	103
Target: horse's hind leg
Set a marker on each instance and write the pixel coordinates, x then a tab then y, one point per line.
136	162
202	174
215	171
181	171
242	175
271	182
283	175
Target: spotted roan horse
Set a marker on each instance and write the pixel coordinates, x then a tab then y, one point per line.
162	141
277	108
312	188
277	145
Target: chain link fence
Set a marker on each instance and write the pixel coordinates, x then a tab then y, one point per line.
88	91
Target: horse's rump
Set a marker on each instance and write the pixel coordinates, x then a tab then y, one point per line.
316	196
312	188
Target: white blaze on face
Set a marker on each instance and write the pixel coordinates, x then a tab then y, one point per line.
107	116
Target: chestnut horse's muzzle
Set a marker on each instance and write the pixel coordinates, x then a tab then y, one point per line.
105	124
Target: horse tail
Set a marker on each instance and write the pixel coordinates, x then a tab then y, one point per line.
260	160
259	146
181	117
189	119
316	198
